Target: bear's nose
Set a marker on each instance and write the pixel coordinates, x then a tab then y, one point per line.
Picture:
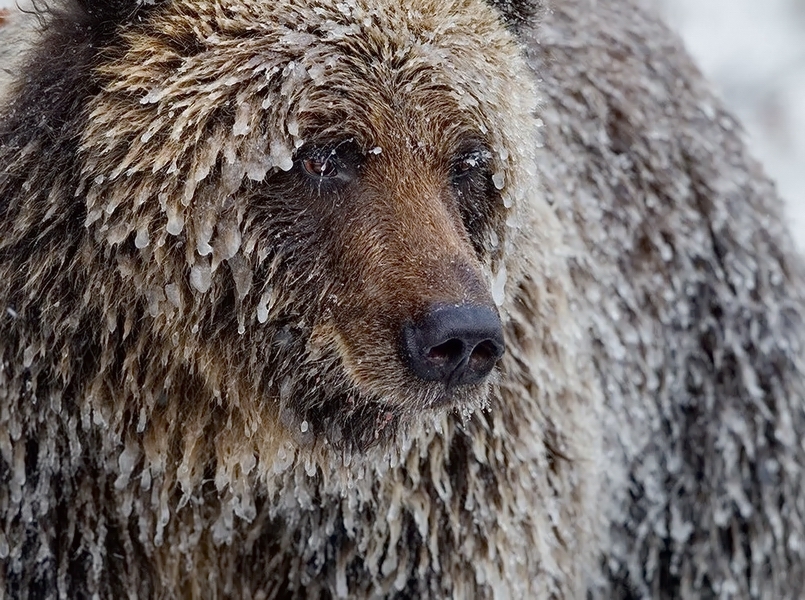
457	345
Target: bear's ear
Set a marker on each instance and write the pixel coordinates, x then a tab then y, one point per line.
104	13
519	14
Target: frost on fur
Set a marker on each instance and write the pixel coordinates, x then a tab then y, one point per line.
217	215
203	374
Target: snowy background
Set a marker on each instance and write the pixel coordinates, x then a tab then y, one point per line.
754	53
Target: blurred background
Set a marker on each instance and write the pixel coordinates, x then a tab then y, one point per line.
754	54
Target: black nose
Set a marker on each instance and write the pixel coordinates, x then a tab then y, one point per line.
457	345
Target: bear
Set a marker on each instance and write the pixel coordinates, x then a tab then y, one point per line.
256	255
380	299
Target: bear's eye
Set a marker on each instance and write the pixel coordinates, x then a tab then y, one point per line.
330	164
470	163
320	167
475	194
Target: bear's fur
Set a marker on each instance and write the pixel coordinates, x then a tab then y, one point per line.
201	387
203	393
697	301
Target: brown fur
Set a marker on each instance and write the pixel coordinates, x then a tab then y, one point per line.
221	339
696	300
202	392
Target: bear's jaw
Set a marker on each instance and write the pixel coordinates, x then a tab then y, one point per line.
352	422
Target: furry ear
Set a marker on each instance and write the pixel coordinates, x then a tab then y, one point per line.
104	13
519	14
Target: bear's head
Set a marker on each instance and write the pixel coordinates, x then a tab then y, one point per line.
313	198
298	214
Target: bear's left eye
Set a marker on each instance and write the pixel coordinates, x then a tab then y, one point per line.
330	164
320	167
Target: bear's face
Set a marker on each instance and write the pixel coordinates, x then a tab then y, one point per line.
315	199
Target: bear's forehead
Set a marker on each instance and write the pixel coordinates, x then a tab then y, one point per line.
382	31
243	79
317	47
413	19
357	66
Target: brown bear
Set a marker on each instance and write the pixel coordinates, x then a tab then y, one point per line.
254	256
384	299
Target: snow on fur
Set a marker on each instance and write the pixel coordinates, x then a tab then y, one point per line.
168	347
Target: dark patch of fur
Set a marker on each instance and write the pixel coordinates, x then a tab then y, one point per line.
113	11
519	14
98	16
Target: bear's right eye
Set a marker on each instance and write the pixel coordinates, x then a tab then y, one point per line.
471	166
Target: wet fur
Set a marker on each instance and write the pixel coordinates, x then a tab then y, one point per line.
202	372
150	449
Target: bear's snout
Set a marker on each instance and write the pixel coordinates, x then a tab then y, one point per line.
455	345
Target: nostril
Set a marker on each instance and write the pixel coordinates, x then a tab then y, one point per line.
483	354
445	353
456	345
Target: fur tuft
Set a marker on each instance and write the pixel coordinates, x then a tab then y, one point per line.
520	14
106	14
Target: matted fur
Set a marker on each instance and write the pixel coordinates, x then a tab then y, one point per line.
697	300
192	359
198	394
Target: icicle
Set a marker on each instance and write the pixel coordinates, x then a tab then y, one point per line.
263	305
499	286
201	276
242	275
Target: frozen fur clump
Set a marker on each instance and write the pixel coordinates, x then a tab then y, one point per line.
225	226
